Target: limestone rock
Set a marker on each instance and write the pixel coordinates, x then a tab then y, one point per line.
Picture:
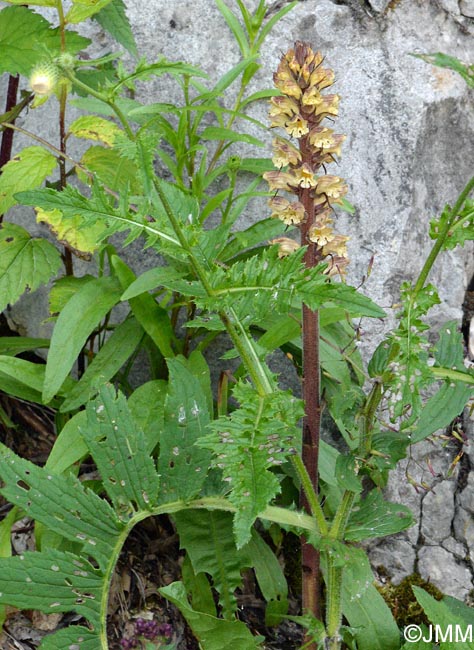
467	8
440	567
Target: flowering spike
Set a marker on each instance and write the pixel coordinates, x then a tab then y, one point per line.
299	111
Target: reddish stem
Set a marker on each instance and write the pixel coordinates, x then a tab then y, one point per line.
311	578
7	136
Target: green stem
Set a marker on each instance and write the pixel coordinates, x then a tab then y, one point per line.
105	99
439	243
367	419
335	573
310	493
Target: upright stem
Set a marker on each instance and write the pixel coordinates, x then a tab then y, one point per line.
310	560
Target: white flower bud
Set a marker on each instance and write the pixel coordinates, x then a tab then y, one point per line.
43	79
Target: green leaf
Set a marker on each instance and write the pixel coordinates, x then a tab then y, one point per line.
75	636
82	9
151	316
17	344
78	319
26	37
209	542
106	363
72	232
375	517
25	263
220	133
110	168
375	626
447	624
342	295
347	470
25	171
198	587
146	405
441	409
446	61
69	447
118	447
150	280
247	444
114	20
92	127
213	633
182	465
35	3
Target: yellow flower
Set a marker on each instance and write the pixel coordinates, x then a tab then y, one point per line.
321	78
321	235
284	153
289	213
283	105
278	180
332	187
297	127
311	97
303	176
324	138
329	105
336	246
286	246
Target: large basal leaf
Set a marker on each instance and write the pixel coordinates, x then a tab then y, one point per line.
55	580
256	437
81	315
114	20
120	452
25	36
182	465
374	517
25	171
25	263
213	633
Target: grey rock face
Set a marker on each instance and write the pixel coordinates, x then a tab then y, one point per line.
440	567
467	8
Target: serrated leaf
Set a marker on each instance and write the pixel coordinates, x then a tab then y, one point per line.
213	633
375	517
75	637
110	168
35	3
209	543
25	171
182	465
60	502
347	470
92	127
120	452
25	263
82	313
25	36
71	231
82	9
106	363
113	19
254	438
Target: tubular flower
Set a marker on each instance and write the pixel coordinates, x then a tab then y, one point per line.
286	246
300	110
284	153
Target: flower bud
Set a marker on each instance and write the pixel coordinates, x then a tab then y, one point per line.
43	79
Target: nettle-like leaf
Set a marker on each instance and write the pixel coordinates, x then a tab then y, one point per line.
25	171
375	517
82	9
25	36
55	580
409	366
114	20
93	127
256	437
462	229
25	263
71	231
